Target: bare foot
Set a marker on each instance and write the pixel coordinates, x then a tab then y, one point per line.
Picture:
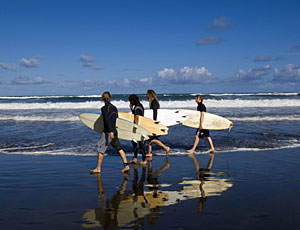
168	151
133	161
95	171
149	155
190	151
191	155
125	169
211	151
143	163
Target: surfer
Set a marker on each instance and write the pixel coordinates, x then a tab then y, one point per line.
154	105
138	110
200	133
110	134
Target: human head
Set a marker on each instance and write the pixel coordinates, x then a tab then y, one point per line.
151	95
133	99
199	98
106	96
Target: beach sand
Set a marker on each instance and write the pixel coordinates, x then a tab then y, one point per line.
243	190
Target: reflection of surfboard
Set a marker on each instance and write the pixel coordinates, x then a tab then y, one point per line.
211	121
153	127
126	129
168	117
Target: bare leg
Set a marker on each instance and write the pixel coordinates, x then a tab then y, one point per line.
98	168
194	146
212	149
124	159
159	143
149	150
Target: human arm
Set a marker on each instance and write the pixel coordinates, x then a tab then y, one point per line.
201	120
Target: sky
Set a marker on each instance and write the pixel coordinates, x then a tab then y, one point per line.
172	46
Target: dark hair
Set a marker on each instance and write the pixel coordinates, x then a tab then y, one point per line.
134	99
106	96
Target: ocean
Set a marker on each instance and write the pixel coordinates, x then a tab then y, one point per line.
49	125
252	182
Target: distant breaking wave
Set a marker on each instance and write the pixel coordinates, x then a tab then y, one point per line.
72	118
177	104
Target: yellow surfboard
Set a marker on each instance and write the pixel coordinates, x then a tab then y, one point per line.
155	128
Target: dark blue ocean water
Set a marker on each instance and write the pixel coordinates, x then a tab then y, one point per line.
49	125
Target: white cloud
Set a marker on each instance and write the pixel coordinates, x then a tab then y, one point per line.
262	58
186	75
8	66
220	24
131	83
88	61
209	40
25	80
253	74
290	73
29	63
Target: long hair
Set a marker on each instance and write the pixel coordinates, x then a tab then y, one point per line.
134	99
152	95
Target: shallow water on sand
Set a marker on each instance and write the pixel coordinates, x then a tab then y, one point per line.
242	190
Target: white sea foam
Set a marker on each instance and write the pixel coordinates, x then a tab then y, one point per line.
40	118
265	118
211	103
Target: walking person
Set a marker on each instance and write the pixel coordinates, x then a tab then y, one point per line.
201	133
110	134
138	110
154	105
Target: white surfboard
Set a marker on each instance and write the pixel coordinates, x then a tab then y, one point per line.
155	128
168	117
126	129
211	121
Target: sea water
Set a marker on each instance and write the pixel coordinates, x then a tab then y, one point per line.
49	125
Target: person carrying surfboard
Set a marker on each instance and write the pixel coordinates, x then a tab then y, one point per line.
138	110
154	105
110	134
200	133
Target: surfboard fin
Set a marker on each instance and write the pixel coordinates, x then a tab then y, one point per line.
157	122
144	136
134	140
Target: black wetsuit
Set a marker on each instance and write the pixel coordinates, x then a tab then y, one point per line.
202	132
138	109
154	106
110	115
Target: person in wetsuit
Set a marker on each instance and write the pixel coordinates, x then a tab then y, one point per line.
154	105
138	110
110	135
200	132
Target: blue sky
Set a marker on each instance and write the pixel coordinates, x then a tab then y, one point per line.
171	46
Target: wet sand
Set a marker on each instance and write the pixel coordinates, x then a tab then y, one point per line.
242	190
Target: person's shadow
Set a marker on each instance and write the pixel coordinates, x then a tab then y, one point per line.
203	175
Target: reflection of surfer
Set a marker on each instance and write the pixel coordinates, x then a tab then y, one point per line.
202	175
106	214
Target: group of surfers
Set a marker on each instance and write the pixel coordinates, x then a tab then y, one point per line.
110	134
